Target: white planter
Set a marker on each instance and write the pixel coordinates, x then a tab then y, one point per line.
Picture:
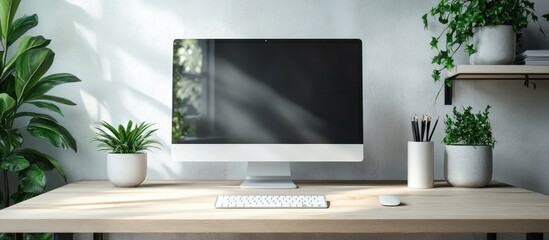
495	45
468	166
420	164
127	170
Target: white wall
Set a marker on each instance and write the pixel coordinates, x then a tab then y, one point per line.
122	50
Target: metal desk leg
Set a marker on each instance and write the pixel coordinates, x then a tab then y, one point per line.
491	236
534	236
62	236
97	236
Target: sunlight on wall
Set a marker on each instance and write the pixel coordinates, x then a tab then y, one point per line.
92	8
94	108
88	36
142	77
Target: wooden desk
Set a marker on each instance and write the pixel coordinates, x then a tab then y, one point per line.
188	206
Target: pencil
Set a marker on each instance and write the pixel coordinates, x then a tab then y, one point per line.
434	127
422	129
413	129
417	128
428	127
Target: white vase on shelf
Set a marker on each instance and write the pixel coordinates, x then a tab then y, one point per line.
495	45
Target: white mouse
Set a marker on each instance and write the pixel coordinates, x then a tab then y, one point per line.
388	200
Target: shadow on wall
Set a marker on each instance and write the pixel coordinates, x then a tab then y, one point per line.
520	154
126	75
114	87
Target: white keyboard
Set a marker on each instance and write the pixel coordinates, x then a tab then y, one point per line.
271	201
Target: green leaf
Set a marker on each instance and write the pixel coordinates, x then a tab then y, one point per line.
425	22
54	99
449	64
443	20
38	236
1	64
436	75
7	12
21	26
51	131
10	139
35	115
131	138
32	180
31	66
42	160
6	236
46	105
468	128
470	49
20	196
546	16
49	82
27	43
111	128
7	104
14	163
434	43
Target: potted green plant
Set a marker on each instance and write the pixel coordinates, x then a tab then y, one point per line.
487	28
468	151
126	159
24	87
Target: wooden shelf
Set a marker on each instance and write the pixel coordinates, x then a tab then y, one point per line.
493	72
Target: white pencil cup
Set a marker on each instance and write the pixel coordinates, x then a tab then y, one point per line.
420	164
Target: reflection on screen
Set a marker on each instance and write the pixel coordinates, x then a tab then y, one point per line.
267	91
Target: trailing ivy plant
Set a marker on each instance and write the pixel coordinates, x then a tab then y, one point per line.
23	87
461	17
468	128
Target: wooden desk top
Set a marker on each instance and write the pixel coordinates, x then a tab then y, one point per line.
188	206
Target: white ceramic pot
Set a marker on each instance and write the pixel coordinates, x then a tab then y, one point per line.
127	170
468	166
495	45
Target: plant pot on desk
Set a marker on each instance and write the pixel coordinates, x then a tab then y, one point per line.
468	166
127	170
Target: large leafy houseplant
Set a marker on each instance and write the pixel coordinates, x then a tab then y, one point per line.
460	19
23	86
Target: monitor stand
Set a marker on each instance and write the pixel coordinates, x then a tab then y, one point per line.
268	175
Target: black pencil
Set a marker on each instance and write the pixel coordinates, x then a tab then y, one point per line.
428	127
417	128
422	129
413	129
434	127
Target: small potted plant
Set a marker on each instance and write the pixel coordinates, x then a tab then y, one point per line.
488	29
468	152
126	159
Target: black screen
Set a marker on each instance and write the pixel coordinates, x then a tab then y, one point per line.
268	91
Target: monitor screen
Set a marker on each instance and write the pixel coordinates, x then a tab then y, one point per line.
267	91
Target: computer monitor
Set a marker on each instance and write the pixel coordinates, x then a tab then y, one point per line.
267	102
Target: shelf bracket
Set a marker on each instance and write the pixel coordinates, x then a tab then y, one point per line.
448	92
